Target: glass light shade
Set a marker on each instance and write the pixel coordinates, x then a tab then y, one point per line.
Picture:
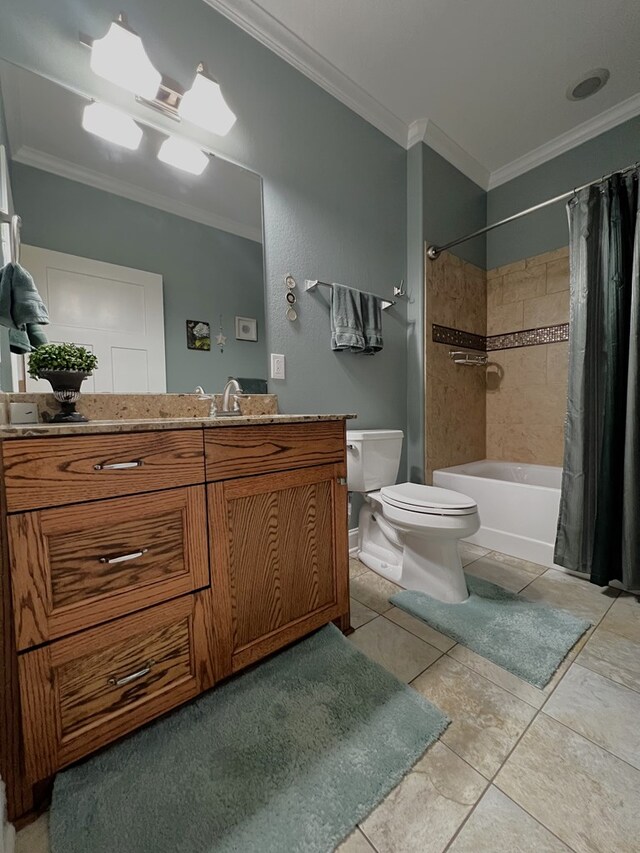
204	105
121	58
112	125
183	155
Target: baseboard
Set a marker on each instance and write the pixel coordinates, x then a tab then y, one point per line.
353	541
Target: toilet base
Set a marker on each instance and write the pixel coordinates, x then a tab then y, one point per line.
428	563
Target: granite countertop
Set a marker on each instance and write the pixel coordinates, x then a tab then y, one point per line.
97	427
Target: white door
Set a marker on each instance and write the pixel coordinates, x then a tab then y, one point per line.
114	311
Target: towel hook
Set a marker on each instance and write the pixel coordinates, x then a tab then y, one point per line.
400	291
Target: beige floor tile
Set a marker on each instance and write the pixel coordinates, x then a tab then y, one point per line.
583	794
509	575
402	653
356	568
486	720
360	614
424	811
499	825
570	593
533	569
35	837
502	677
603	711
420	629
373	591
613	656
355	843
623	618
469	552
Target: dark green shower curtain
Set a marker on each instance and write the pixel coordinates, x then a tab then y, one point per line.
599	520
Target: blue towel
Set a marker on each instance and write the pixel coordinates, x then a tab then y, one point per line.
371	311
21	309
347	331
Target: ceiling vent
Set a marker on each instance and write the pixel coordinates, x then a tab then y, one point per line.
588	84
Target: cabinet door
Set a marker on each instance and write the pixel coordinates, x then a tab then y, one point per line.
279	560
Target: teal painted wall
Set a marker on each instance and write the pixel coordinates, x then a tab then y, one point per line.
206	272
547	229
453	205
334	186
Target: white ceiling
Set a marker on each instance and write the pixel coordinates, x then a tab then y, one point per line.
483	81
44	122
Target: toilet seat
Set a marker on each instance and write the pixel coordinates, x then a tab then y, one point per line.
430	500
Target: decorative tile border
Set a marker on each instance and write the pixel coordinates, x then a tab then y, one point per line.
458	338
529	337
509	340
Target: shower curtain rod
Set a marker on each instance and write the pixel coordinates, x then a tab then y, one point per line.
434	251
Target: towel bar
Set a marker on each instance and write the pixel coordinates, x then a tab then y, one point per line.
14	238
310	284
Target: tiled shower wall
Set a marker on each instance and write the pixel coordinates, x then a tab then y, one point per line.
527	386
455	396
515	408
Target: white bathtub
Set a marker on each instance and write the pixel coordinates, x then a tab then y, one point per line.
518	505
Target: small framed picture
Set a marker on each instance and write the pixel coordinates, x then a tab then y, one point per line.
198	335
246	329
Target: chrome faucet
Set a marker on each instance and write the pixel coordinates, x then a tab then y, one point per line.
232	387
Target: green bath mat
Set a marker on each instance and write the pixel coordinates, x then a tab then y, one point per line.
529	639
288	757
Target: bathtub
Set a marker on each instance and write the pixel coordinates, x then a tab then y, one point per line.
518	505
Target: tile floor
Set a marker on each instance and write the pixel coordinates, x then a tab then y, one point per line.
519	769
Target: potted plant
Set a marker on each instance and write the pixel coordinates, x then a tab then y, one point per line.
65	366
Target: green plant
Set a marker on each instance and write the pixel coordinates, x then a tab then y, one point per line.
61	357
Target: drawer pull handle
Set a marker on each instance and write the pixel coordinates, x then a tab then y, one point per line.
124	557
118	466
127	679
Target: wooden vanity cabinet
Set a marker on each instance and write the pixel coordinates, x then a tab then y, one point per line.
138	569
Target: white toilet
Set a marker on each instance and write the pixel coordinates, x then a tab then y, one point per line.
407	533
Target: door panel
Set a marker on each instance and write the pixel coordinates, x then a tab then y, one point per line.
114	311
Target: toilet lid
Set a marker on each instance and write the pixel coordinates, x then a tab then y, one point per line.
417	498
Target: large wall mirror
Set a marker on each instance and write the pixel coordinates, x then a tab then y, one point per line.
158	270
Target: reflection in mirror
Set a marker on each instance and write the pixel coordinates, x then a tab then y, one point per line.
144	263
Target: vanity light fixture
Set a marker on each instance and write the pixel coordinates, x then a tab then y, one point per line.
204	105
112	125
120	57
183	155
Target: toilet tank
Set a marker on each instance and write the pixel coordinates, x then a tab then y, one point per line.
373	458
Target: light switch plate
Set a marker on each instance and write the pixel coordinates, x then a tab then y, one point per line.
23	413
277	366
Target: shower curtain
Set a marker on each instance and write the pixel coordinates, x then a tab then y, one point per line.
599	520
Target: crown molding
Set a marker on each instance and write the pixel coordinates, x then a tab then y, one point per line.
417	132
249	16
64	169
448	148
566	141
266	29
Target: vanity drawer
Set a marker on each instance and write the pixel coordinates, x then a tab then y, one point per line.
75	567
241	451
81	693
45	472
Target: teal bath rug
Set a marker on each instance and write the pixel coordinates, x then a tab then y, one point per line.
529	639
289	756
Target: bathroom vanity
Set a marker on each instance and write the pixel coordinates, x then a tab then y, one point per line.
144	561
